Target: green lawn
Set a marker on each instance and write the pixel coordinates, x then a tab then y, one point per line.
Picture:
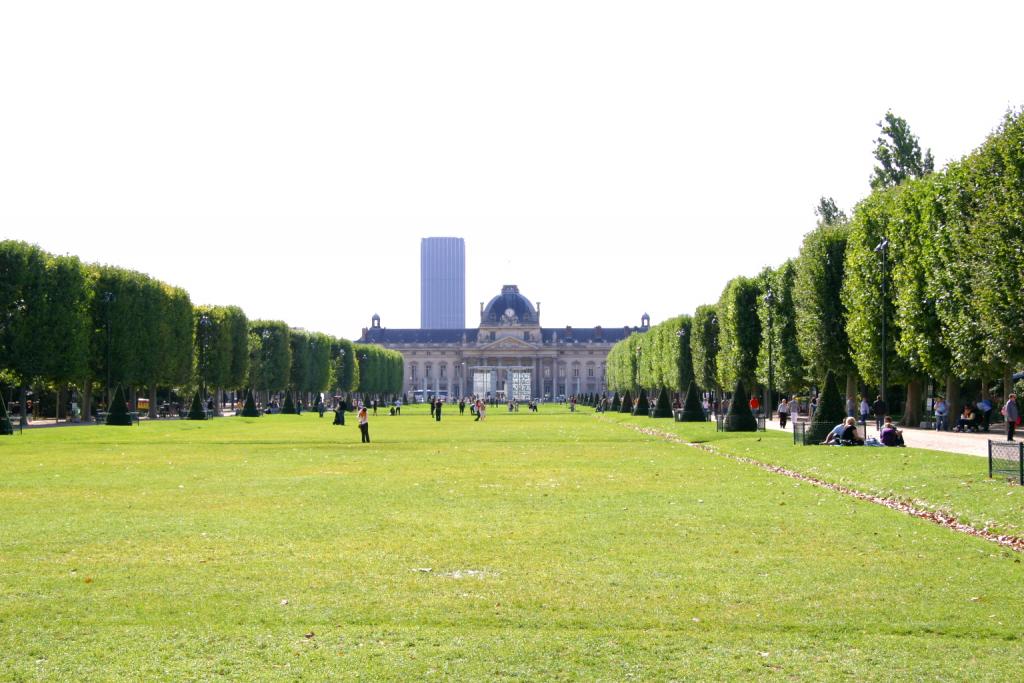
552	546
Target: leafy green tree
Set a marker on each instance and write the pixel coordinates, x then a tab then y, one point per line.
23	286
704	346
778	315
616	403
918	282
289	404
237	325
346	371
993	244
213	346
320	369
739	335
865	304
817	301
66	319
270	357
898	153
828	213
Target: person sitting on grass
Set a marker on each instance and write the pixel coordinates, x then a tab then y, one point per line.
891	436
835	435
852	437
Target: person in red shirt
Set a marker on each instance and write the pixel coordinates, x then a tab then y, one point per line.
755	405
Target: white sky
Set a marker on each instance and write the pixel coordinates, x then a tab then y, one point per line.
610	158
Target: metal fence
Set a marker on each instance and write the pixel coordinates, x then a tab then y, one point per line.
800	433
1006	458
720	423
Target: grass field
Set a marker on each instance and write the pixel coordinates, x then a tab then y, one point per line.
551	546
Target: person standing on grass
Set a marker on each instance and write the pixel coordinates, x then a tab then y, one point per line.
364	424
865	410
437	410
462	406
1011	414
433	406
879	408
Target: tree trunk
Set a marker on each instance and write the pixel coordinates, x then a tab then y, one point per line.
1007	383
133	398
218	401
87	401
953	394
851	391
912	408
24	404
152	402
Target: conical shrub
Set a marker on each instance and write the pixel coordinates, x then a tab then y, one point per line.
829	412
118	412
627	403
663	408
289	404
249	409
740	418
196	412
643	406
6	428
693	411
616	402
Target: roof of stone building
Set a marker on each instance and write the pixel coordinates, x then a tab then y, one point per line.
509	300
564	335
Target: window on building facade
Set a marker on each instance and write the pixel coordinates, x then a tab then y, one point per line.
444	371
590	372
575	372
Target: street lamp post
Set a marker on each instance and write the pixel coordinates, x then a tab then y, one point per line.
204	326
107	299
883	249
681	333
769	300
718	394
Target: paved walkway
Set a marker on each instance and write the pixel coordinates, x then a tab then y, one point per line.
952	442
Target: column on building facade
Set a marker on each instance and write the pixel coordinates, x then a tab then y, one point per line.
537	388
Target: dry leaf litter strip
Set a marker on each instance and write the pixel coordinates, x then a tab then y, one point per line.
1011	542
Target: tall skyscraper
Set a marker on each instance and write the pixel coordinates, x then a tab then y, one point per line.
442	283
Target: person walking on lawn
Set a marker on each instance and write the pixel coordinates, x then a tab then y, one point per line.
1012	414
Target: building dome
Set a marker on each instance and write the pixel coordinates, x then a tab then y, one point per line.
509	306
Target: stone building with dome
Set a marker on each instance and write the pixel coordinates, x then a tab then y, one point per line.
509	355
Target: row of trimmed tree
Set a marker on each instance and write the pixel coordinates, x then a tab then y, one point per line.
71	326
952	297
